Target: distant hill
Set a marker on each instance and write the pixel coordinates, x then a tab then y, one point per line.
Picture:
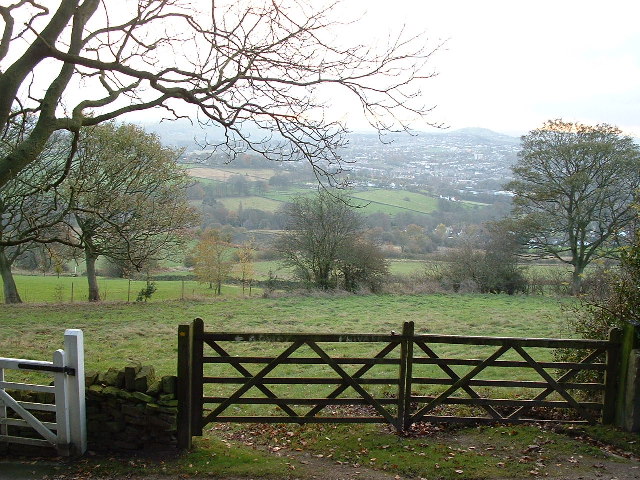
486	134
182	133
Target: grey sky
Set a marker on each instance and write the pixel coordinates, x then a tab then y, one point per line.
510	65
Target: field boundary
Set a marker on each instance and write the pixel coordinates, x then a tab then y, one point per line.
409	356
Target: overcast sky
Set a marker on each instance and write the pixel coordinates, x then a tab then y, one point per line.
509	65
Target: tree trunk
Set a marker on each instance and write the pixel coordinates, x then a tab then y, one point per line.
11	294
90	261
576	280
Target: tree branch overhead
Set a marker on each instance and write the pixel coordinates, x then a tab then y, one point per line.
239	65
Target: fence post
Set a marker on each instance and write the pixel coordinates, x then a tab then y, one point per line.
3	411
63	440
627	413
406	372
185	345
612	377
197	372
74	358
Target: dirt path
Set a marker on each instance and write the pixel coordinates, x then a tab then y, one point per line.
311	467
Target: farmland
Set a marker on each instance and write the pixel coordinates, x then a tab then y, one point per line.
119	333
146	332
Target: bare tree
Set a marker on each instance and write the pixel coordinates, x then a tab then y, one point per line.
238	64
323	240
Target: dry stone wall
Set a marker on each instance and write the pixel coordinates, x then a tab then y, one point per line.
127	409
131	409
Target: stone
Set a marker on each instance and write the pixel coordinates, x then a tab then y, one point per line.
135	420
142	397
127	396
130	372
124	445
120	381
111	391
166	397
145	377
95	389
133	410
114	426
169	384
110	377
154	389
90	378
162	423
168	403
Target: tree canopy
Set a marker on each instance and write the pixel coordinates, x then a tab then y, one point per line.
574	188
128	198
240	65
323	240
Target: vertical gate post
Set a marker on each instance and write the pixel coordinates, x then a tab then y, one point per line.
612	377
60	383
197	372
4	430
627	409
406	372
74	359
185	346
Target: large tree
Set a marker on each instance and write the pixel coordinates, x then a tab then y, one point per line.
574	188
239	64
128	198
30	213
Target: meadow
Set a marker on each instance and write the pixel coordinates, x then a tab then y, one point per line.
117	332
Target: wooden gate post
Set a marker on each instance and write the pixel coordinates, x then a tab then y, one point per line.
406	372
197	372
185	374
74	359
612	378
628	398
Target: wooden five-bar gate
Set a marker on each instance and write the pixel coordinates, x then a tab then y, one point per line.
398	379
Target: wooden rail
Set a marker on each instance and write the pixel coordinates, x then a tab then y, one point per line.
409	394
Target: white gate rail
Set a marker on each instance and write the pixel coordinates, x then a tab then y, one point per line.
68	434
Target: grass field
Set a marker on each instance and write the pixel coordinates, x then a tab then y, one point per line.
258	203
391	202
117	333
395	201
223	174
51	289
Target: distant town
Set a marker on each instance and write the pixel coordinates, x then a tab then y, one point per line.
469	164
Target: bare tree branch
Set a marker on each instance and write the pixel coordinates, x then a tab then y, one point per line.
240	65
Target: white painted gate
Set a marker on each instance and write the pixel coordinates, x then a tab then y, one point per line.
68	434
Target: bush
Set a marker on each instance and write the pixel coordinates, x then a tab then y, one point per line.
611	300
147	291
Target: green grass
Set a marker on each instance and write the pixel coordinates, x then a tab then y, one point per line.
395	201
255	202
51	289
469	453
117	333
211	457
